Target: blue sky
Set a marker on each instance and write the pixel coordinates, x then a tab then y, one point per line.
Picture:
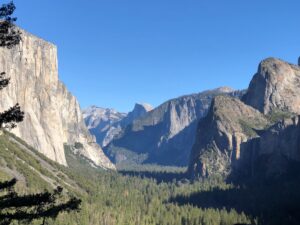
113	53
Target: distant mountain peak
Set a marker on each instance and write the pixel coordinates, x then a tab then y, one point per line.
257	136
147	107
53	116
106	123
224	89
166	133
275	87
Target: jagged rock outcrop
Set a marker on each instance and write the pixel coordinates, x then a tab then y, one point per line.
275	87
235	139
105	124
278	148
165	134
221	136
95	116
139	110
52	114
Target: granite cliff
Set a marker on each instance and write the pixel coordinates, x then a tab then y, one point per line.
165	135
278	148
259	136
105	123
221	136
52	114
275	87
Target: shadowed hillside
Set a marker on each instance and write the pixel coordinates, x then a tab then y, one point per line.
108	197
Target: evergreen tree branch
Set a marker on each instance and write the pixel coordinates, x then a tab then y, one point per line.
10	117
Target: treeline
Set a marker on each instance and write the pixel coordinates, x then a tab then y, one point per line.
133	198
110	198
115	199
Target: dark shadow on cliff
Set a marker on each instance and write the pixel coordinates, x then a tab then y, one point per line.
171	152
168	153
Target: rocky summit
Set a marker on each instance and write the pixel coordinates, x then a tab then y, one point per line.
106	123
52	114
139	110
165	135
103	123
275	87
221	136
256	137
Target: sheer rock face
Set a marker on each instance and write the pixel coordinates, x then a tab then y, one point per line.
278	148
258	137
139	110
166	134
221	136
105	123
52	114
275	87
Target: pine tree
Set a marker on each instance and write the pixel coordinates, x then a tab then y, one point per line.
27	208
10	36
14	207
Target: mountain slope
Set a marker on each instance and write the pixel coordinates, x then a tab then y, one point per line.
33	170
139	110
52	114
266	142
164	135
107	197
105	124
221	137
275	87
278	149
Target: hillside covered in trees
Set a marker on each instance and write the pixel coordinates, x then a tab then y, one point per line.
146	195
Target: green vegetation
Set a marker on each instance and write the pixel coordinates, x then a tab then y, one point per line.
277	116
117	199
35	179
14	159
271	202
32	207
148	195
109	197
123	158
248	129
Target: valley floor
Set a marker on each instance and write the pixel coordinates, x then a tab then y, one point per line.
157	196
